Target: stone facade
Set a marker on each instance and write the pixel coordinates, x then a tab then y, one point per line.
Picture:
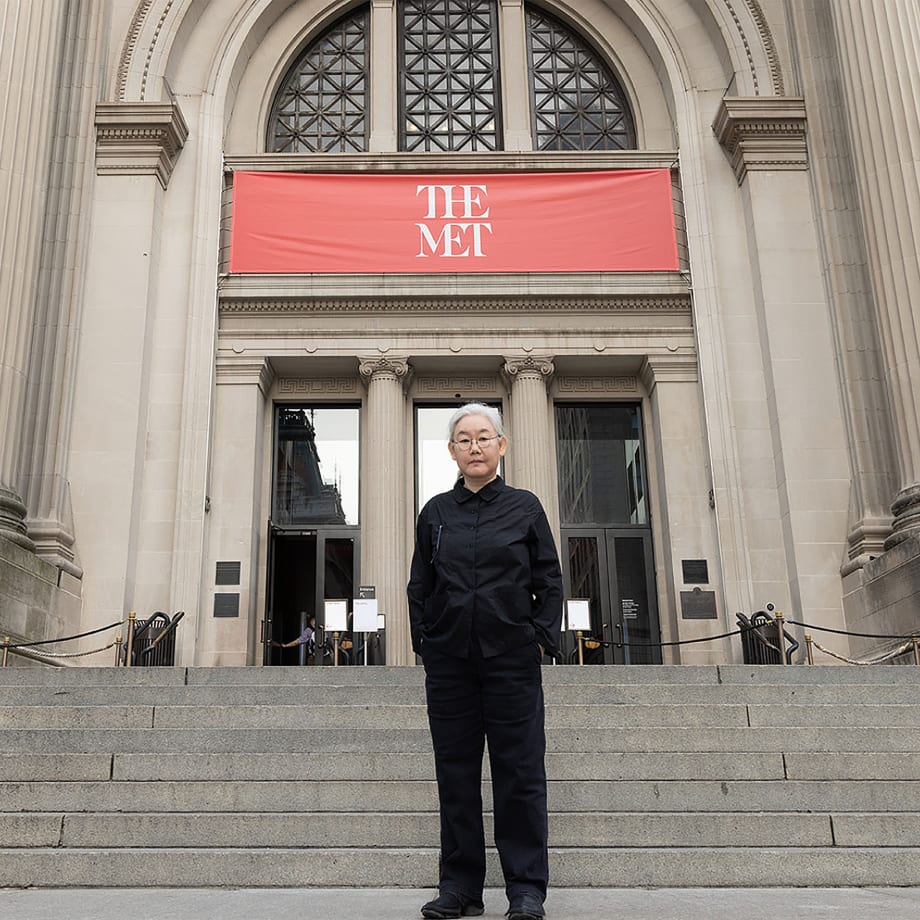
776	372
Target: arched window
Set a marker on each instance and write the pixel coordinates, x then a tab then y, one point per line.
449	85
323	101
577	103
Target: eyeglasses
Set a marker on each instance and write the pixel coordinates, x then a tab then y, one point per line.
465	444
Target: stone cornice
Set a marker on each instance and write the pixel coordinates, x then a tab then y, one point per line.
245	370
762	133
432	162
678	367
139	138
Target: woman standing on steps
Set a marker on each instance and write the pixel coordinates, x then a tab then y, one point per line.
485	605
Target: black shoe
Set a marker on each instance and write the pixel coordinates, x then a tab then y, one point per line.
525	907
449	905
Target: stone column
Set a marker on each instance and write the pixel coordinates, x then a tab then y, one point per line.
387	446
879	46
531	451
30	42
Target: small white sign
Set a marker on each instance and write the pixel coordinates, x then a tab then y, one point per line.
364	614
578	614
335	616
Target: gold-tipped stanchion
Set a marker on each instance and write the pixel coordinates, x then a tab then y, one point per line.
118	651
780	636
132	620
914	642
581	646
335	649
808	649
6	650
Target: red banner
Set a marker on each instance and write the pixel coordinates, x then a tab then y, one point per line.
612	221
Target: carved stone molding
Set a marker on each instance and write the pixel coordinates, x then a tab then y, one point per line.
468	304
12	519
442	386
316	386
518	367
766	39
672	368
906	511
762	133
245	372
587	386
394	367
139	138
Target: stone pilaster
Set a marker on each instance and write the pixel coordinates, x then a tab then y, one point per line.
515	79
879	45
531	449
383	77
383	523
236	522
802	444
30	37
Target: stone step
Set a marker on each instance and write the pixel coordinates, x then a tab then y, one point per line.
414	740
578	867
587	716
420	829
900	765
620	676
421	795
336	694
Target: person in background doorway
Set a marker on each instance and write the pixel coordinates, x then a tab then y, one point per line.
307	637
485	605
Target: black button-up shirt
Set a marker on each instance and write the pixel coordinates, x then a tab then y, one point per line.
485	568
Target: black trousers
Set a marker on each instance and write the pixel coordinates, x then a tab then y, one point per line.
499	699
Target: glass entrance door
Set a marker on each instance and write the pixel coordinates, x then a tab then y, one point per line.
613	570
606	536
306	569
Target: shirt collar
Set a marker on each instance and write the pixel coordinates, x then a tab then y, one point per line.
486	493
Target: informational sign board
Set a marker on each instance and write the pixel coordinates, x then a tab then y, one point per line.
605	220
335	616
364	615
578	614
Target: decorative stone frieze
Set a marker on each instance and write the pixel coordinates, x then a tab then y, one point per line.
442	386
318	386
762	133
139	138
585	386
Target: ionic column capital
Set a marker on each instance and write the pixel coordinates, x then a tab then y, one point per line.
385	367
762	133
139	138
533	367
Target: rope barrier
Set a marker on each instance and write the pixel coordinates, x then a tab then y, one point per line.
92	632
736	632
887	657
94	651
844	632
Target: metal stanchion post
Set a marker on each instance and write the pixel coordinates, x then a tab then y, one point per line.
6	650
780	636
132	619
118	651
581	649
913	640
808	650
335	649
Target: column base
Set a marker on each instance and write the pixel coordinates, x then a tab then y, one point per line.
13	519
906	511
865	542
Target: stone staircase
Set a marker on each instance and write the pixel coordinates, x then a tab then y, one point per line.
255	777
